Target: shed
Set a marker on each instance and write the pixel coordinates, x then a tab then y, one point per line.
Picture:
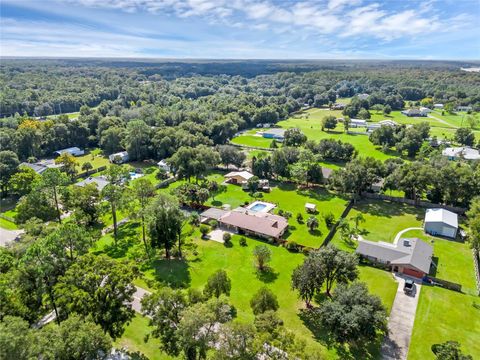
163	165
441	222
74	151
238	177
311	208
119	158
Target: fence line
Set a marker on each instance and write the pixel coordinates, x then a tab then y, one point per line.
424	204
477	269
333	230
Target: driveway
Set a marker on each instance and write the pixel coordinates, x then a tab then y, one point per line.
7	236
400	322
137	298
217	235
400	233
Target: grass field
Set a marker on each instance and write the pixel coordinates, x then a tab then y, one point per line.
94	157
7	208
310	123
237	261
383	221
444	315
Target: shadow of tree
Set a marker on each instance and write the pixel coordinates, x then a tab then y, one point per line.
267	276
174	272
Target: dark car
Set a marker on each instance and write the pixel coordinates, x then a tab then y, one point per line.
408	287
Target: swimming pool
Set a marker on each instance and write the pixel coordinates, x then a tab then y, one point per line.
258	207
261	206
134	175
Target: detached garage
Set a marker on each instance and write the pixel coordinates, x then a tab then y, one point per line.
441	222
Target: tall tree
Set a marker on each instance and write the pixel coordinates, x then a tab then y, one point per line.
264	300
114	192
68	163
144	191
100	287
137	139
262	255
53	181
217	284
197	328
164	309
353	315
473	221
8	166
231	155
164	222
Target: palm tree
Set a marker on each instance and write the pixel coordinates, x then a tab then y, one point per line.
87	167
312	223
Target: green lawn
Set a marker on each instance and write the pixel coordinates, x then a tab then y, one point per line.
133	340
310	123
444	315
383	220
237	261
8	224
94	157
454	260
7	208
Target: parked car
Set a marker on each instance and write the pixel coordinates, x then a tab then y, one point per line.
408	287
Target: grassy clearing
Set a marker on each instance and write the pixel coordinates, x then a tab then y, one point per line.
454	260
444	315
383	221
8	224
237	261
94	157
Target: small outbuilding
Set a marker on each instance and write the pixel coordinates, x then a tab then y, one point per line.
74	151
441	222
238	177
310	208
163	165
119	158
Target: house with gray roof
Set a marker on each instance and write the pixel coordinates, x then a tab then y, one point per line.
411	257
99	181
441	222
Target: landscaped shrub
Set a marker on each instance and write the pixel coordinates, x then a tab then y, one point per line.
280	212
329	219
213	224
300	218
242	241
227	237
292	246
149	170
204	229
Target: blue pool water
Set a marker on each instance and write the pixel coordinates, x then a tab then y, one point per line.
258	207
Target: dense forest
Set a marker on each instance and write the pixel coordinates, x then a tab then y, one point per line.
121	105
46	87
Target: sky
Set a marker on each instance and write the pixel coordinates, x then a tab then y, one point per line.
242	29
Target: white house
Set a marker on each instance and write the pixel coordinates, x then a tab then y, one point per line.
74	151
441	222
238	177
363	96
438	106
358	123
119	158
463	108
162	164
467	153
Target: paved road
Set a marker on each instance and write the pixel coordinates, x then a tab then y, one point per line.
137	297
7	236
400	323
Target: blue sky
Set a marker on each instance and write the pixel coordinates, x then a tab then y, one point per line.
242	29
